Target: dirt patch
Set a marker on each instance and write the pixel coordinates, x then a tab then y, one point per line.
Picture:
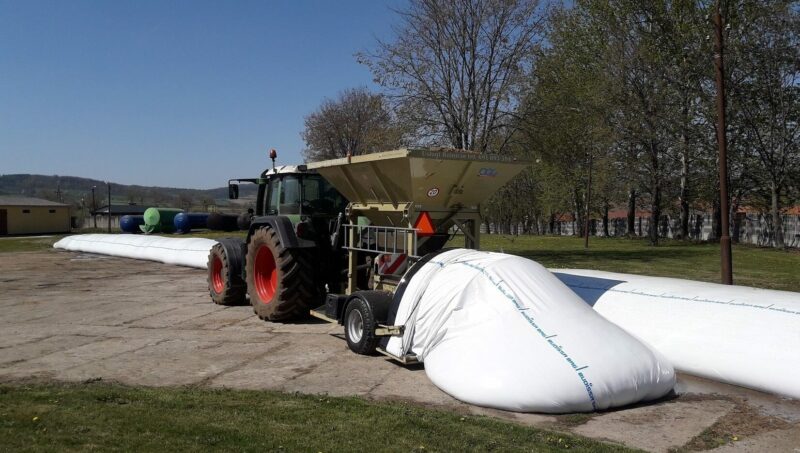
740	422
572	420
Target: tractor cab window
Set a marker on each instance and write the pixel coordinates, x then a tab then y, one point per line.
310	190
307	195
274	195
290	195
319	197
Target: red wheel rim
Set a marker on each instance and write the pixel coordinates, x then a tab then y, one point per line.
266	275
217	282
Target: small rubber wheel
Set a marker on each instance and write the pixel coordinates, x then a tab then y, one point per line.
359	327
225	286
280	281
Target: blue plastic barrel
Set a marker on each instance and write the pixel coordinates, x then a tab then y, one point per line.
187	221
130	223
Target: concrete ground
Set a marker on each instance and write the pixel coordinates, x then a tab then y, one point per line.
77	317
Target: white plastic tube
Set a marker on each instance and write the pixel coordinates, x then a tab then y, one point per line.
735	334
191	252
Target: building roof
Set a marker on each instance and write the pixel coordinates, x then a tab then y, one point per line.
16	200
121	209
623	213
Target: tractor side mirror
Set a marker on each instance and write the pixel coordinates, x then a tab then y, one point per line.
233	191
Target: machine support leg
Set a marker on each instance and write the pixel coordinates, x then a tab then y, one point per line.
472	234
352	264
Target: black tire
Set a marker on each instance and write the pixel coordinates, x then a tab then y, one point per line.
280	281
359	327
243	221
222	222
225	284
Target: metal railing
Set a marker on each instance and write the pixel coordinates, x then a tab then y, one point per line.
381	239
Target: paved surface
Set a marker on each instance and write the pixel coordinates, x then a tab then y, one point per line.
76	317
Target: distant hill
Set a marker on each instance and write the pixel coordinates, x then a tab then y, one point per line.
73	190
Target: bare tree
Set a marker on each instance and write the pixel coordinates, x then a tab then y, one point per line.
185	201
356	122
207	202
456	68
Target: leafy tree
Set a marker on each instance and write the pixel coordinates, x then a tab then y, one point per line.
356	122
569	116
767	99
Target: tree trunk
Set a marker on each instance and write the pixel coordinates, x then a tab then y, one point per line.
716	221
737	228
698	227
737	220
777	222
605	219
577	218
632	212
684	195
655	214
655	190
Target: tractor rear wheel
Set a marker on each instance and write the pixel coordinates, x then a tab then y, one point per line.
224	284
280	281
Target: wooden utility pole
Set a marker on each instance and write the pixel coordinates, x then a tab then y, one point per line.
725	239
109	206
94	207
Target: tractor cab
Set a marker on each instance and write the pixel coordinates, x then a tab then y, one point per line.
292	190
298	193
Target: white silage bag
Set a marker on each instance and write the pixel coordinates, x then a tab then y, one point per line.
501	331
735	334
191	252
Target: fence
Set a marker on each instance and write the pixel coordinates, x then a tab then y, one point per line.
750	228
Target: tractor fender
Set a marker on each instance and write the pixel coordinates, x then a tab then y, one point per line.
285	229
379	302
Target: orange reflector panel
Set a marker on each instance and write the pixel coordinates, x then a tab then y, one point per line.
424	225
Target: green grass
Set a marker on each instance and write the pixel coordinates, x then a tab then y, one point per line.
112	417
27	244
752	266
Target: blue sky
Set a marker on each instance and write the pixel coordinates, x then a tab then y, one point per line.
172	93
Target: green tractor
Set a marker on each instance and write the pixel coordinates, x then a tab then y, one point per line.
290	254
339	239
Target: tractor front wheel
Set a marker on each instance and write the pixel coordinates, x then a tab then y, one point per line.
280	281
225	285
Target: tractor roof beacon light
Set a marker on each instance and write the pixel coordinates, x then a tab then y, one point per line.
273	155
424	225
